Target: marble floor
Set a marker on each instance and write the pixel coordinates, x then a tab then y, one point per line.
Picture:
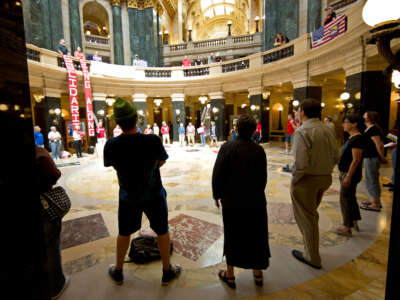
352	268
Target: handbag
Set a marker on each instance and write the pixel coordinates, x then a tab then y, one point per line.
56	203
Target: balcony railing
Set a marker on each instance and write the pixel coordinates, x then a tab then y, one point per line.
33	54
243	39
178	47
196	72
157	73
77	63
342	3
278	54
95	39
210	43
236	66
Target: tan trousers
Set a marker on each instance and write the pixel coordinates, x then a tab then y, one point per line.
306	196
190	138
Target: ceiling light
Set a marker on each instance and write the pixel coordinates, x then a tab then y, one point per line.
296	103
345	96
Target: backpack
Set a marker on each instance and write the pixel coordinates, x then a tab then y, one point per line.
144	249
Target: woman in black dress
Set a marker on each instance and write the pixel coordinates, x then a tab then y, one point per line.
238	182
350	167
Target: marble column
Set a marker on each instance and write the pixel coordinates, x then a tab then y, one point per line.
143	34
217	113
258	108
369	91
117	34
75	25
314	15
178	113
45	20
56	23
280	16
139	101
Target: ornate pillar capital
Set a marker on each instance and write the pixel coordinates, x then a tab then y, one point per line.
178	97
142	4
139	97
216	95
115	3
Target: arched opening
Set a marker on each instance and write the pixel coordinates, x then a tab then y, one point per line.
95	19
96	29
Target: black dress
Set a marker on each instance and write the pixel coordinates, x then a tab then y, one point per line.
239	180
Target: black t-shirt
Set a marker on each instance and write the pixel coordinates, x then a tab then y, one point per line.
346	158
63	49
330	18
135	158
370	147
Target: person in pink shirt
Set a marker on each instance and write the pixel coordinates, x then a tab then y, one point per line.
148	130
165	133
101	139
190	131
78	53
186	62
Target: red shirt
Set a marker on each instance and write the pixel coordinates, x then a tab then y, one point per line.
148	131
165	129
258	130
186	62
101	132
289	127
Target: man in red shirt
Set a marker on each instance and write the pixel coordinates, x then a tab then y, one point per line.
257	133
165	133
186	62
290	128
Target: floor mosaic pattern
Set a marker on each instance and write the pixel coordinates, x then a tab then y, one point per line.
90	228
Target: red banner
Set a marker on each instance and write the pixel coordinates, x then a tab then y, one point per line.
88	97
73	89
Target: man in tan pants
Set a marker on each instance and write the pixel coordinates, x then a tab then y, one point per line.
315	154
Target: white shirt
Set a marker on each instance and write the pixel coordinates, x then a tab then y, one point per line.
76	135
54	136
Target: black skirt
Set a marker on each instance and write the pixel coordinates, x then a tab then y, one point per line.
246	237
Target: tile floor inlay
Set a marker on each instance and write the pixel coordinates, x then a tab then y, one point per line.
83	230
193	236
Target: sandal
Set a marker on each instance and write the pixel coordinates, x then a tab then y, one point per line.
224	278
368	203
371	208
346	233
356	228
258	279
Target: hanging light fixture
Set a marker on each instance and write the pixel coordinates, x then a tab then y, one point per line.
296	103
345	96
203	99
158	102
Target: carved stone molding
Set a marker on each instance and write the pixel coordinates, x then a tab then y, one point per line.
142	4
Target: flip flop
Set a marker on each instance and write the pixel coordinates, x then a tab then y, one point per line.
224	278
368	207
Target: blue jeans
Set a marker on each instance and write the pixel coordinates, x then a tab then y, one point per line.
53	265
203	139
371	166
394	159
55	149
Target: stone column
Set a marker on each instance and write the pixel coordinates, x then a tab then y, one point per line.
143	31
258	108
369	90
280	16
217	113
180	17
178	113
314	15
75	25
125	34
52	117
368	87
117	34
139	101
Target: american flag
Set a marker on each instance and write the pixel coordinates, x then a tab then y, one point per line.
329	32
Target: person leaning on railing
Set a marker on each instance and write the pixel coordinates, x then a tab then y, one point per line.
62	48
79	54
330	15
186	62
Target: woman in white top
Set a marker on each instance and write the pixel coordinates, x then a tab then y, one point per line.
77	135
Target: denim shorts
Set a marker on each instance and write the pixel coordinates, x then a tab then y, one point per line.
155	208
288	138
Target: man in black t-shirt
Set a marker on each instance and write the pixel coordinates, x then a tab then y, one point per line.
137	158
62	48
330	15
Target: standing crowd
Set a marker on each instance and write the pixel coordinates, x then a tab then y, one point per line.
239	173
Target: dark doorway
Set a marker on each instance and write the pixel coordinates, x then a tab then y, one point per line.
157	116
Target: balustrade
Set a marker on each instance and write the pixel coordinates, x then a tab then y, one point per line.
77	63
243	39
236	66
210	43
178	47
343	3
94	39
157	73
33	54
278	54
196	72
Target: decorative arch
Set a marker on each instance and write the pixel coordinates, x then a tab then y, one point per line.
95	19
